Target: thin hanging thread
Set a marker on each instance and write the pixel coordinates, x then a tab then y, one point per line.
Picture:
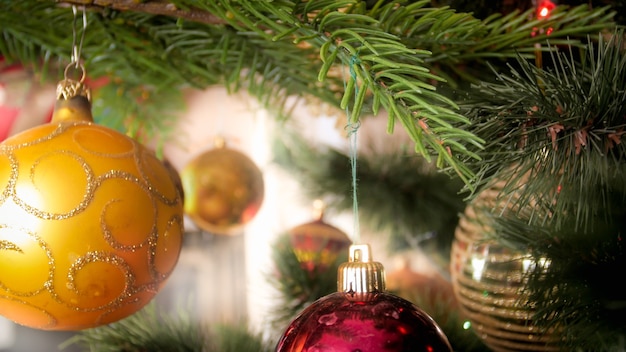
352	128
77	49
72	86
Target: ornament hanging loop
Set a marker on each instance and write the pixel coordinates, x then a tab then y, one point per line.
73	96
70	87
72	84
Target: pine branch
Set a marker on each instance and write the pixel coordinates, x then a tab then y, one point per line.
462	45
146	330
342	52
555	140
342	32
558	130
153	330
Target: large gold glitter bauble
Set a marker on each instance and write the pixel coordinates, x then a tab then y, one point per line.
90	224
489	281
223	189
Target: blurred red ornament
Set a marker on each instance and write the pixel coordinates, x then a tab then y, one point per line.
24	101
317	244
362	316
223	190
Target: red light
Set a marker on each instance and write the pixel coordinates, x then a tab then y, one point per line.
544	8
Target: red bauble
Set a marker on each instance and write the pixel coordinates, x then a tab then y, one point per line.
380	322
362	317
24	101
318	244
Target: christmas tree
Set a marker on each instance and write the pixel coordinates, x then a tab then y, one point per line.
514	118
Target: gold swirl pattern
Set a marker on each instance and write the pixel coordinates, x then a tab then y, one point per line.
24	250
6	245
90	226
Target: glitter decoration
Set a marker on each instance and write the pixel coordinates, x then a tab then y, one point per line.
91	224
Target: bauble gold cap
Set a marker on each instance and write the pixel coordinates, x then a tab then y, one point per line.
360	276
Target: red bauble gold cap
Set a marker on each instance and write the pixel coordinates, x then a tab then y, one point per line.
362	317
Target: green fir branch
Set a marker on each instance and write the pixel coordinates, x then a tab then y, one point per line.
146	330
153	330
238	338
280	49
556	141
137	105
558	130
462	46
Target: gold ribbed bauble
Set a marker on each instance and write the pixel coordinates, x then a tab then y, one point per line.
489	281
223	188
90	223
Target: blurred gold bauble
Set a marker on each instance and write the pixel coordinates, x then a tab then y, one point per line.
223	189
90	224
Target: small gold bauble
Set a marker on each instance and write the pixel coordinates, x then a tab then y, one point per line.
223	189
90	226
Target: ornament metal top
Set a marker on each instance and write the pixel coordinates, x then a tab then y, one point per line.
90	220
362	317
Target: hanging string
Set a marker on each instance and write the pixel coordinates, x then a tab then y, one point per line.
352	127
77	48
72	84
